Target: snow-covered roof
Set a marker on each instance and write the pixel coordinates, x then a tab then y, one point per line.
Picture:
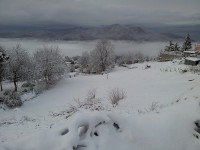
190	52
193	59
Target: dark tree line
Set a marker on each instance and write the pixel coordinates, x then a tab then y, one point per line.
187	45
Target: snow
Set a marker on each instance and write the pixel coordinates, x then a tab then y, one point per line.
158	112
190	52
193	58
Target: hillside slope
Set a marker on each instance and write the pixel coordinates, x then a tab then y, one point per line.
158	112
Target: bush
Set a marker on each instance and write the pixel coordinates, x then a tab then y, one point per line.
13	100
27	85
91	95
8	92
154	106
116	95
2	99
40	87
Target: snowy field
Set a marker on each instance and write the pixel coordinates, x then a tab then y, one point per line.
74	48
157	113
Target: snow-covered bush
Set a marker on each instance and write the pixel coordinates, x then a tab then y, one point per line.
7	92
27	87
2	99
91	95
27	84
2	102
89	103
13	100
116	95
94	105
154	106
194	69
120	60
40	87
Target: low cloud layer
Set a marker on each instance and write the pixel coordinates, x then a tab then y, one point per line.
99	12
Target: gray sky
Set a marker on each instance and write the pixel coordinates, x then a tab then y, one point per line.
100	12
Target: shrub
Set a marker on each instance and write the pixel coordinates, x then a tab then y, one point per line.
13	100
116	95
91	95
27	85
154	106
184	71
40	87
8	92
2	99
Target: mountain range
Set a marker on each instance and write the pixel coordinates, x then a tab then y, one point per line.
84	33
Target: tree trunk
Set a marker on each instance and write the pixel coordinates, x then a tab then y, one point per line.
1	86
15	82
103	67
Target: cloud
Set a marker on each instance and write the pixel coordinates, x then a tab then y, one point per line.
99	12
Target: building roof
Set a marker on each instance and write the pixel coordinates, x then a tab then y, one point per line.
193	59
190	52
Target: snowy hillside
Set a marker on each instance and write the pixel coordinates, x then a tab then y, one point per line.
158	112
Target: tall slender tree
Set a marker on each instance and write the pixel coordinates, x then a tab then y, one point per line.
176	47
170	47
187	44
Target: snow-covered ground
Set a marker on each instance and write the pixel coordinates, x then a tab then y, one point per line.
157	113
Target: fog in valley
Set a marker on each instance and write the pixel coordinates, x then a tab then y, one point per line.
75	48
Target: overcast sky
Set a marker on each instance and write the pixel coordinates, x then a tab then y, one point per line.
100	12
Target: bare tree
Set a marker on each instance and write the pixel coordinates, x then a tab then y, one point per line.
17	65
139	56
84	60
102	56
130	58
50	64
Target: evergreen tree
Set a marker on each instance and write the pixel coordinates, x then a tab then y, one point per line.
176	47
170	47
187	45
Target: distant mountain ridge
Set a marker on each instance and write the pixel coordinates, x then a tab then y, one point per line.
82	33
181	30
